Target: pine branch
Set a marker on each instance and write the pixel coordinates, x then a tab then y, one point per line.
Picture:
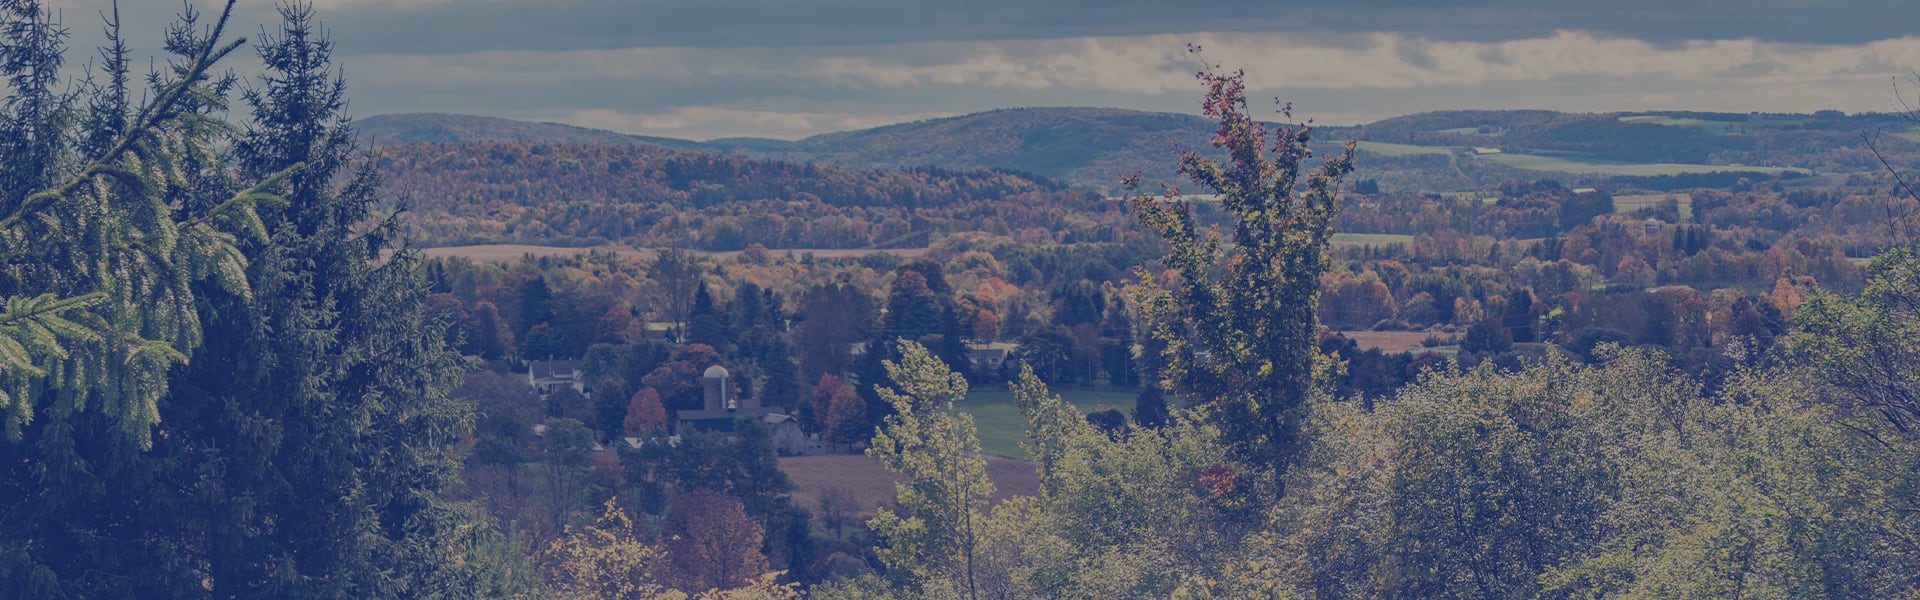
159	111
45	305
257	192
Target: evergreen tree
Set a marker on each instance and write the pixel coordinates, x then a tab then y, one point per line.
707	323
833	316
1150	407
331	381
301	455
109	248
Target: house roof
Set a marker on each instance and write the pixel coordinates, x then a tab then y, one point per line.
553	369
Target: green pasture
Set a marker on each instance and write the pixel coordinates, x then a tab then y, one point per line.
1570	164
1721	127
1003	428
1391	149
1678	122
1627	204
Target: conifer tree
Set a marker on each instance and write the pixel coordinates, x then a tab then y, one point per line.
300	450
332	373
98	308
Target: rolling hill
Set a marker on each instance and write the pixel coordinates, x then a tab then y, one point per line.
1091	148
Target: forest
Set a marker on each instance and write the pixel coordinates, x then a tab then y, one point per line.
241	356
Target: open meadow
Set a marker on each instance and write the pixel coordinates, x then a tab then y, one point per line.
1573	164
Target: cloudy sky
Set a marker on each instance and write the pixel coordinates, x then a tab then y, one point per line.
790	68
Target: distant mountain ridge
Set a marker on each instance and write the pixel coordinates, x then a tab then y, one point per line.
410	128
1092	147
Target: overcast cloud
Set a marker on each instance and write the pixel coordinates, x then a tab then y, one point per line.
787	69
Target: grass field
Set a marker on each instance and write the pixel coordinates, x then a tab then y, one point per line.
1720	127
1713	126
867	485
1627	204
1390	149
1002	427
1569	164
1389	341
1369	239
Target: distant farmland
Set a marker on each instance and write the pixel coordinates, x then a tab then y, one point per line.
867	485
1571	164
1002	426
1627	204
1392	341
1370	239
1391	149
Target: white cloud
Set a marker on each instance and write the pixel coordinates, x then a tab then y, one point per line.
1157	63
793	92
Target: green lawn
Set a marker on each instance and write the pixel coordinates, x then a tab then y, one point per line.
1676	121
1003	428
1719	127
1390	149
1569	164
1627	204
1372	238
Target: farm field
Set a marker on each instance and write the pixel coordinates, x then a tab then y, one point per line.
1627	204
1392	149
1388	341
869	485
1568	164
503	252
1720	127
1366	239
1002	427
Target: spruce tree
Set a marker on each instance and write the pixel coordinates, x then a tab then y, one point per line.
326	402
300	450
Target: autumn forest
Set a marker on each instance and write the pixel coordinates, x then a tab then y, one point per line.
253	349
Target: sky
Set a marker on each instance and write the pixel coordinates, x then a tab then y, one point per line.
702	69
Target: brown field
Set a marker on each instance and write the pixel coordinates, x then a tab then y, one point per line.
871	485
1387	341
508	252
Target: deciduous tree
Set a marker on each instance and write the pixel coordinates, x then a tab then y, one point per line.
1239	320
930	541
712	543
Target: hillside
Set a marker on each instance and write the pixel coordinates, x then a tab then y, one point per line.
1089	147
1092	147
399	129
573	194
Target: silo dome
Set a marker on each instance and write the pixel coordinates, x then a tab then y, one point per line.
716	372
